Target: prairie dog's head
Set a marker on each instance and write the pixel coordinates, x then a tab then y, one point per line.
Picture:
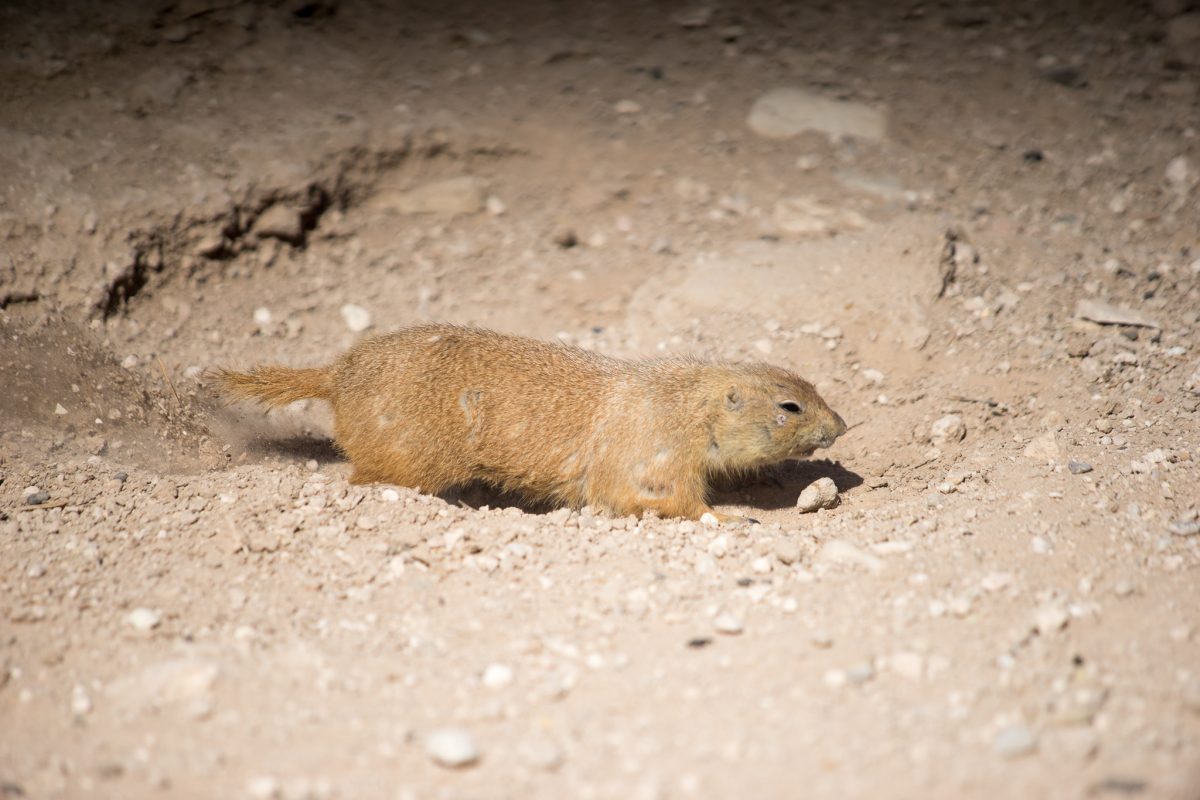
767	414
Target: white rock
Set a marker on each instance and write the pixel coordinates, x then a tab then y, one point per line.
709	519
1015	741
495	206
873	376
1050	618
451	747
81	702
264	787
357	318
59	410
718	547
627	107
262	316
390	495
1178	172
497	676
728	624
995	581
783	113
821	493
143	619
947	430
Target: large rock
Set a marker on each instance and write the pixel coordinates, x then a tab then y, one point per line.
783	113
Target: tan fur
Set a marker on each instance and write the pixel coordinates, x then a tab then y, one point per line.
436	406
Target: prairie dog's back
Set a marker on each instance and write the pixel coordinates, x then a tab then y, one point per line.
503	403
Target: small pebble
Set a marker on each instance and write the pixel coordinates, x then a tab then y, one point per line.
948	430
1015	741
497	676
727	624
821	493
357	318
452	747
1050	618
36	570
37	498
81	703
143	619
1079	467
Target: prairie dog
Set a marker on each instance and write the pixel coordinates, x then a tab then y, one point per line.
436	406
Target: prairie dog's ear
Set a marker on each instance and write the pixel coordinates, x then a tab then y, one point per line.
733	398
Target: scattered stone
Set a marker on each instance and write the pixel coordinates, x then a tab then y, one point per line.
805	215
262	317
462	195
37	498
697	17
36	570
357	318
1015	741
728	624
1078	467
81	702
996	581
860	673
821	493
264	787
1065	75
1043	447
497	676
282	222
783	113
1050	618
839	551
627	107
143	619
495	206
1185	526
59	410
1178	173
1107	314
452	747
947	430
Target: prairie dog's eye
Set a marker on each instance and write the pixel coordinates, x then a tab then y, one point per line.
791	406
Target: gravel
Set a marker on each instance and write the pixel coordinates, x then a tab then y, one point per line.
1015	741
452	747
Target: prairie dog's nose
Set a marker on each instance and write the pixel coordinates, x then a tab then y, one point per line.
832	432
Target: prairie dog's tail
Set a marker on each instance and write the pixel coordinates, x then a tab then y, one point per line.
275	386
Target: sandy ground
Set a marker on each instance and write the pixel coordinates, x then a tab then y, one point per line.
976	228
